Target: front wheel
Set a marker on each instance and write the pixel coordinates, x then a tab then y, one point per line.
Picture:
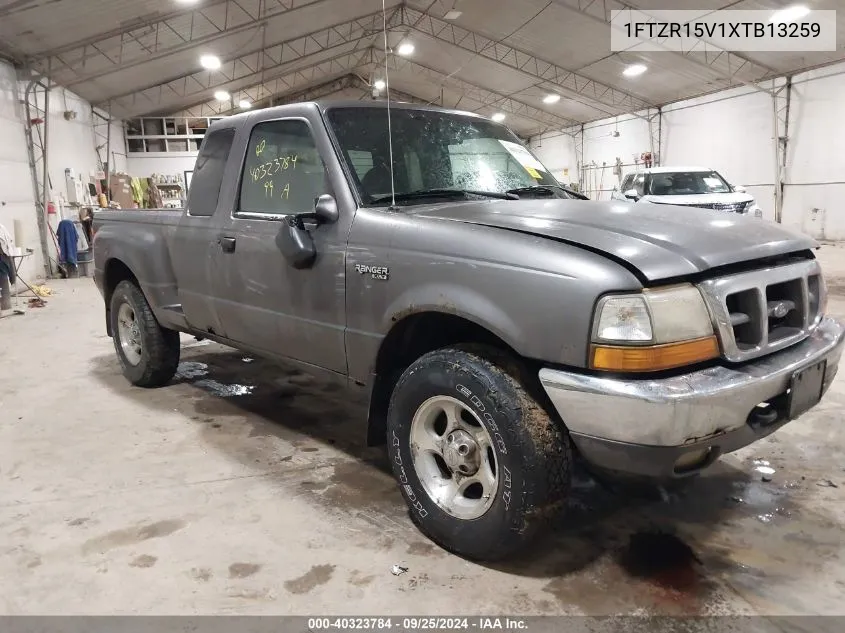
481	465
148	353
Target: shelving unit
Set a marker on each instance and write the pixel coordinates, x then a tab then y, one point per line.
166	134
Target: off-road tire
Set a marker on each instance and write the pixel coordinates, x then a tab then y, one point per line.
159	345
532	451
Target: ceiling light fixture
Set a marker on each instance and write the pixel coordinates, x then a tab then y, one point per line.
452	15
379	84
212	62
186	1
222	95
789	14
244	104
498	117
635	70
405	49
552	98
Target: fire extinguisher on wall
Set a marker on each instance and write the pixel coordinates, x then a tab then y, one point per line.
51	208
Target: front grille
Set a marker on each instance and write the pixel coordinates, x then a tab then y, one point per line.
762	311
730	207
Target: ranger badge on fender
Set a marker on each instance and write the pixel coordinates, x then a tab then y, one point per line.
377	272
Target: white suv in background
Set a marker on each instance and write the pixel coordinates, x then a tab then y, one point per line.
686	186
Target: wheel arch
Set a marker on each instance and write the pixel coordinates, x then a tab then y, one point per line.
114	272
410	337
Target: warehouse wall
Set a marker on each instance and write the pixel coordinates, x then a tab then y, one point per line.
164	163
732	131
815	174
72	143
72	146
17	202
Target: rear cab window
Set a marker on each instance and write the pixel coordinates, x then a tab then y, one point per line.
208	172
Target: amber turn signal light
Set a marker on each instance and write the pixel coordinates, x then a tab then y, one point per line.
653	357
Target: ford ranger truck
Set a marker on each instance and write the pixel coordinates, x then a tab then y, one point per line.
499	324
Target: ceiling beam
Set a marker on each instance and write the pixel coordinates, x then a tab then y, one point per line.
252	68
490	100
371	61
284	84
332	87
160	35
607	99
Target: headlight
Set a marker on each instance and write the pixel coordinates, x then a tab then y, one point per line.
657	329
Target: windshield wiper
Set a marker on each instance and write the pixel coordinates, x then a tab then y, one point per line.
547	189
445	193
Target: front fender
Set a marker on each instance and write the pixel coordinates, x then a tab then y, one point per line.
457	300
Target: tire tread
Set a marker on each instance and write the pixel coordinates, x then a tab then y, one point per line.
161	345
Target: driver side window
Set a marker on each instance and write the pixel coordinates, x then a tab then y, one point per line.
283	171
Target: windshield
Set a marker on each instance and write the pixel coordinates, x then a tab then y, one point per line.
687	183
432	150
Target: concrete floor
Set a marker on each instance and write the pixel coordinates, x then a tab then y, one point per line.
245	488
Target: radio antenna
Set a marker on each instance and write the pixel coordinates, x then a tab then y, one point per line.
387	92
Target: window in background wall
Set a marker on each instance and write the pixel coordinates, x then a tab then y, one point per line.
172	134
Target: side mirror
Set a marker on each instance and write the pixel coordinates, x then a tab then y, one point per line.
295	243
739	189
631	194
294	240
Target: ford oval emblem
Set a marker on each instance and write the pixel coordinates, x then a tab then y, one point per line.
780	310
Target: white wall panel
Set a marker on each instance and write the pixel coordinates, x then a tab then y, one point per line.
815	175
16	194
731	132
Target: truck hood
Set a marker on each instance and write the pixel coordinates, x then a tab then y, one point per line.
704	198
660	241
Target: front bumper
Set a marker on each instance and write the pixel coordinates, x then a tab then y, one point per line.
650	427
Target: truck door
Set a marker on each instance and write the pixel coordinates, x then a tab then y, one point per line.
192	253
262	301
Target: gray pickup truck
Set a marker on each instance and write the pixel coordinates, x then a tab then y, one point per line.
500	325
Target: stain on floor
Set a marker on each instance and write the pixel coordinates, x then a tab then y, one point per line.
310	580
243	570
144	561
132	536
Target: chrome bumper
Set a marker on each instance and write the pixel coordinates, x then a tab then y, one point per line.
686	409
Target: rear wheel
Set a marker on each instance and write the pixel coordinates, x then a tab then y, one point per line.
481	465
148	353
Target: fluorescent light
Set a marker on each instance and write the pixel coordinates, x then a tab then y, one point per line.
212	62
498	117
244	104
552	98
634	70
405	49
452	15
222	95
379	84
186	1
789	14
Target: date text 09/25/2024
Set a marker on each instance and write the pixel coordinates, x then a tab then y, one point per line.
417	624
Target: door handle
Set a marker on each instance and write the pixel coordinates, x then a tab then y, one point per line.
227	244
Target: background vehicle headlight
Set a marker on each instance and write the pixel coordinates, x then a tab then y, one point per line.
657	329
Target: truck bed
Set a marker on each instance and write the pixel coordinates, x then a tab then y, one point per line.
167	217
